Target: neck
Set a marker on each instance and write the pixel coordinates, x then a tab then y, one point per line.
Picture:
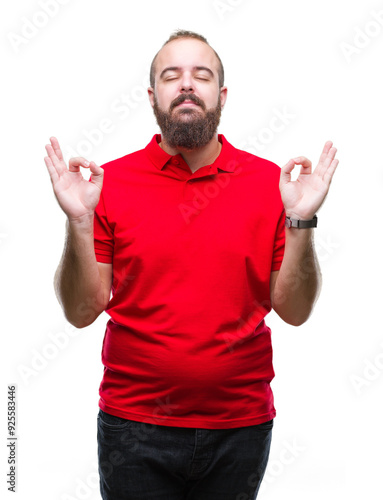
196	158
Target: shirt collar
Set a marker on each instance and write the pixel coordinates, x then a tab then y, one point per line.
226	160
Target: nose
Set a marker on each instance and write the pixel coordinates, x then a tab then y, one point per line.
186	83
187	89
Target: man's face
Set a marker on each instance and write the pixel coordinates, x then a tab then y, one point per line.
187	100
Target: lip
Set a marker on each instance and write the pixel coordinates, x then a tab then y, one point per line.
188	103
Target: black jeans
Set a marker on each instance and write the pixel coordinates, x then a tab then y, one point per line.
139	461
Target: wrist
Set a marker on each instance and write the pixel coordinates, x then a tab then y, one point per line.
303	216
83	224
299	223
81	220
295	233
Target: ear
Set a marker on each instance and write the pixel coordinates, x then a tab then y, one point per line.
223	95
151	96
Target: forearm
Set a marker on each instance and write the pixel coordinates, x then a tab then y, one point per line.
299	279
78	285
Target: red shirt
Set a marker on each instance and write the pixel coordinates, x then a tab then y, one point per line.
187	344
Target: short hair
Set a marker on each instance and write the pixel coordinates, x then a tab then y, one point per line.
187	34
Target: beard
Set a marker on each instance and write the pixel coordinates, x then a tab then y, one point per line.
187	128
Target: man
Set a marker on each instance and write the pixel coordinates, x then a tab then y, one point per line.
189	235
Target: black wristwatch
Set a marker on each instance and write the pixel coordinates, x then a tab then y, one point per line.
301	224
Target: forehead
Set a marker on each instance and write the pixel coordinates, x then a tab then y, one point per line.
186	53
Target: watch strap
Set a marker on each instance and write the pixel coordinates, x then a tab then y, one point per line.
301	224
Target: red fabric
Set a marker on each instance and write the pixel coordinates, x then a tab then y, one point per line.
187	344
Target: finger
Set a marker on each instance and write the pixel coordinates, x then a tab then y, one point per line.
326	149
286	172
52	170
322	167
330	172
56	147
60	166
324	153
77	162
305	164
97	175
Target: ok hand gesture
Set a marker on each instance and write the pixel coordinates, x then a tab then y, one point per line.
303	197
77	197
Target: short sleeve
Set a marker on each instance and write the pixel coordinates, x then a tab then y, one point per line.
279	243
103	234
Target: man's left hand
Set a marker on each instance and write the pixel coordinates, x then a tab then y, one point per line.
302	198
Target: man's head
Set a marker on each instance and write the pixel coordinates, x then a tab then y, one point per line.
187	69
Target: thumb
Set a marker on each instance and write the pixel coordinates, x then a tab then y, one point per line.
97	175
285	177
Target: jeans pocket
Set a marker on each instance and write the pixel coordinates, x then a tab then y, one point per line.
266	425
112	422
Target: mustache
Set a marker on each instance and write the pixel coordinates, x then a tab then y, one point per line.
187	97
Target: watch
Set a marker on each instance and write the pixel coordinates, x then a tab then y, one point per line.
301	224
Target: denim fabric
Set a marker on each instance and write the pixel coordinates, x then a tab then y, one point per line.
139	461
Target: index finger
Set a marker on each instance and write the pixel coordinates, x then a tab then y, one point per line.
56	147
302	160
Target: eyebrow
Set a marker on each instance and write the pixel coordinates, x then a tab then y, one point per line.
177	68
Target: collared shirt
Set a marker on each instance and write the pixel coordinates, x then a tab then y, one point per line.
187	344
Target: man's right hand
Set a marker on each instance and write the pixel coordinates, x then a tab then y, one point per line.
76	196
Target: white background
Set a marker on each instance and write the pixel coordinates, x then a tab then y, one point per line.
311	60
